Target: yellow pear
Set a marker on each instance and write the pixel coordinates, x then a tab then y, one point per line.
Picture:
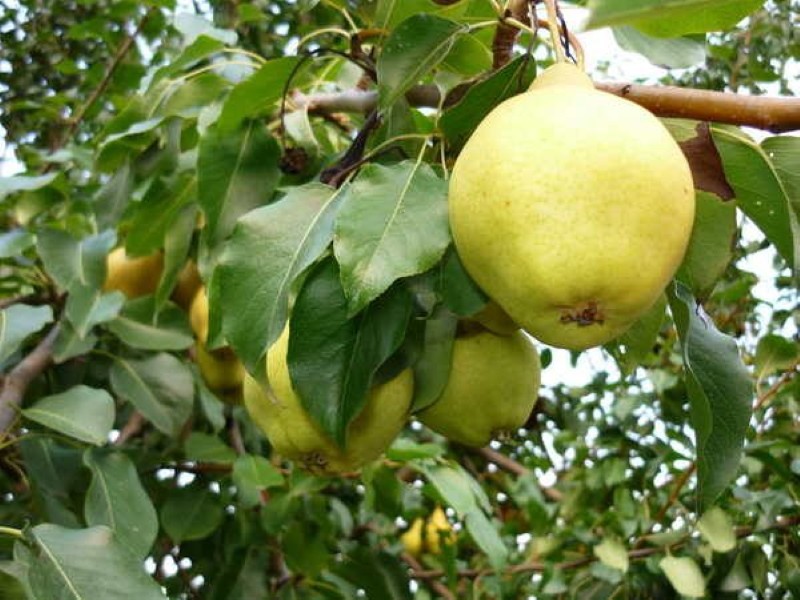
491	391
295	436
438	531
133	276
221	369
187	286
412	538
572	209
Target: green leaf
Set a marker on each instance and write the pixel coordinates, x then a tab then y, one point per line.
670	53
774	353
458	290
87	307
160	387
404	449
668	18
117	499
332	359
486	536
78	564
177	242
413	49
191	513
202	447
75	263
760	192
459	121
253	474
84	413
269	249
612	552
193	94
432	368
711	245
453	486
201	48
684	575
720	394
13	243
257	93
637	342
784	152
393	223
378	574
717	529
17	322
468	57
192	26
69	344
237	171
139	326
157	211
23	183
114	196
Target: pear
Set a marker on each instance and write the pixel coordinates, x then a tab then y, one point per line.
492	388
187	286
294	435
133	276
220	368
438	531
572	209
495	319
412	538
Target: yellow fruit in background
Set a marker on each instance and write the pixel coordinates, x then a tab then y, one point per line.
412	539
133	276
572	209
295	436
221	370
438	531
187	286
491	390
198	315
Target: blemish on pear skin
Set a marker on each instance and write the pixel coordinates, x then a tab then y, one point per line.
589	315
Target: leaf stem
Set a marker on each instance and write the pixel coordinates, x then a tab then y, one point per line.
17	533
552	25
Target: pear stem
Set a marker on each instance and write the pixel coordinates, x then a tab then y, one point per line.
555	35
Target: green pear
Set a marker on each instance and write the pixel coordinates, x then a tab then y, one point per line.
293	434
572	209
491	391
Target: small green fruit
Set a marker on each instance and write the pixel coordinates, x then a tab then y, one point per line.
492	388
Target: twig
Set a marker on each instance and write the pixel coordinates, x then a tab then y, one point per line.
506	34
509	464
119	55
777	114
131	428
434	584
676	491
235	436
537	567
20	377
776	387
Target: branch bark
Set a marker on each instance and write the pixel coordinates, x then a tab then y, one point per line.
509	464
776	114
21	376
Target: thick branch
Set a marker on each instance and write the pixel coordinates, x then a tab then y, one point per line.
763	112
21	376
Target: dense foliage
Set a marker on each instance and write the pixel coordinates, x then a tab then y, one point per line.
268	143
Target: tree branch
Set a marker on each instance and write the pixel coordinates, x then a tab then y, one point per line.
21	376
776	114
434	584
509	464
537	567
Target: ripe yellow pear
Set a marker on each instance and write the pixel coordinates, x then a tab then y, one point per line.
493	386
572	209
295	436
495	319
220	368
412	539
133	276
438	531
